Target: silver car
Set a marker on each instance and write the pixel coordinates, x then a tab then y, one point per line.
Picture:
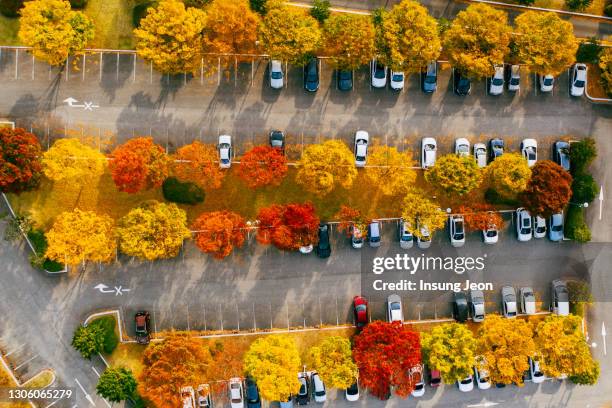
477	305
508	302
555	227
394	309
528	300
374	234
406	239
523	225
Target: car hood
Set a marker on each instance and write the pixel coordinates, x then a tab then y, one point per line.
563	308
530	307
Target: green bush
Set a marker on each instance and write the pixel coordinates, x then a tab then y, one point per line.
589	51
493	197
575	227
577	5
320	10
52	266
140	11
78	4
88	340
258	6
608	10
38	240
579	297
182	192
582	154
587	377
38	260
110	339
10	8
584	188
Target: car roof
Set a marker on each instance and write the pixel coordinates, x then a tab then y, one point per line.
362	134
393	298
225	139
276	64
140	320
428	140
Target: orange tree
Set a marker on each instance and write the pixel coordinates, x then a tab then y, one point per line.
199	163
479	216
288	226
350	217
262	166
218	232
20	166
549	189
385	354
139	164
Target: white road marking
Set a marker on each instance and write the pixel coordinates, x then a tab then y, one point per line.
87	396
26	362
15	350
95	371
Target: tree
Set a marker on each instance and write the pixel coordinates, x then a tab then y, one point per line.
289	34
88	340
199	163
349	40
10	8
289	226
450	348
351	217
320	10
326	166
81	236
582	154
588	376
273	362
171	36
116	384
263	166
385	354
579	296
504	346
589	51
334	362
139	164
218	232
584	188
20	165
454	174
549	189
409	37
545	42
578	5
153	231
390	170
71	160
258	6
171	364
508	174
479	217
419	211
605	64
53	30
477	40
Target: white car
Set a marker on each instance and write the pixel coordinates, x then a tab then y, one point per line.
356	237
394	309
276	74
537	376
579	78
397	80
419	386
352	393
462	147
318	388
529	150
406	239
429	148
523	225
490	235
480	154
514	84
379	74
424	241
204	400
225	151
546	83
555	227
528	300
306	249
466	385
496	86
236	393
539	227
362	138
482	378
509	308
456	230
187	397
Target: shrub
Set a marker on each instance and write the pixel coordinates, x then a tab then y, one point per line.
78	4
259	6
182	192
39	242
577	4
575	227
88	340
320	10
589	51
588	377
608	10
525	2
107	326
10	8
140	11
582	154
584	188
52	266
579	296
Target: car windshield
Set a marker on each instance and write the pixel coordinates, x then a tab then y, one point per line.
430	147
514	81
303	389
430	79
498	81
379	72
548	81
419	386
435	380
353	389
398	77
466	381
395	306
320	393
557	228
345	75
277	75
540	230
562	295
360	308
491	233
463	149
579	84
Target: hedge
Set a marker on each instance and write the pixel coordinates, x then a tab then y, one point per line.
10	8
182	192
575	226
39	242
108	324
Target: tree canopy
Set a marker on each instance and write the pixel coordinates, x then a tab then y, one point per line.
116	384
20	166
454	174
418	210
219	232
333	361
71	160
349	40
139	164
390	170
231	27
289	226
479	217
549	189
263	166
508	174
199	163
326	165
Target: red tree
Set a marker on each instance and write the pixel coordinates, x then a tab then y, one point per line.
219	232
478	217
20	165
288	226
349	217
385	354
549	189
139	164
262	166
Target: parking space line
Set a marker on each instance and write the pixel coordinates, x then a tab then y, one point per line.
66	67
254	321
117	67
101	62
15	350
95	371
188	325
26	362
16	63
53	403
33	65
134	71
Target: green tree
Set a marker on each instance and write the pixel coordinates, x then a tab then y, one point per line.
508	174
582	154
605	64
334	362
584	188
116	384
455	174
88	340
320	10
349	40
578	5
419	211
589	51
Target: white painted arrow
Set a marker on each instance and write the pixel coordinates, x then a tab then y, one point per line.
484	404
601	198
103	288
87	396
604	334
72	102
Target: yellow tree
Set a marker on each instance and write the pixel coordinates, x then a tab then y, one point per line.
54	30
504	345
478	39
80	236
153	231
508	174
545	42
289	34
199	163
171	36
231	27
409	37
325	166
418	210
69	159
349	40
273	362
605	64
333	360
454	174
390	170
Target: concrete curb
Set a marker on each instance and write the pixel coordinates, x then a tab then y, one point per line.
521	7
602	101
10	373
114	313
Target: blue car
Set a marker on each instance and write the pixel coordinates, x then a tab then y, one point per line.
555	227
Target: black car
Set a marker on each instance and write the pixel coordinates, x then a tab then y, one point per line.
303	395
142	321
345	80
561	154
277	139
460	307
252	394
323	248
311	75
496	148
463	85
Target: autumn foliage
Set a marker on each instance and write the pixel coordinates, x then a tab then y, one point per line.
262	166
480	216
218	232
288	226
350	217
139	164
20	165
549	189
199	163
71	160
385	353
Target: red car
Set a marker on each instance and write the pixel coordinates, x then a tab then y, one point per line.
434	378
142	321
360	308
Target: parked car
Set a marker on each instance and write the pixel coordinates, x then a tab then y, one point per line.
435	378
508	302
555	227
539	227
429	148
528	300
236	393
406	239
578	79
396	82
356	237
560	298
496	148
460	307
477	305
462	147
352	393
514	80
537	376
306	249
523	225
379	74
496	85
345	80
480	154
529	150
374	234
419	386
203	394
490	235
424	241
561	154
188	397
429	77
288	403
225	151
303	395
277	139
142	321
252	394
466	385
462	84
323	248
276	74
318	388
311	75
394	309
456	230
362	138
546	83
482	378
360	311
